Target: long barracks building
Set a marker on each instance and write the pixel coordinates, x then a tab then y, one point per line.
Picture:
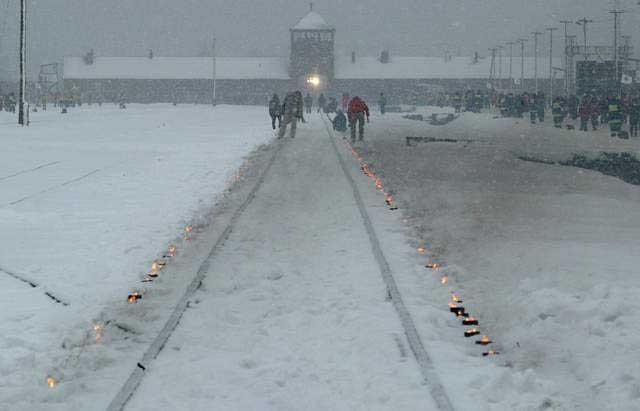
251	80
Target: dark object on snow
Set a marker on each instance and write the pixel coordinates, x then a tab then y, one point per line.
488	353
471	333
469	321
457	310
537	160
570	127
400	109
411	139
624	166
441	119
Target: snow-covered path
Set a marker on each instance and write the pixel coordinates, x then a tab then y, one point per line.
293	313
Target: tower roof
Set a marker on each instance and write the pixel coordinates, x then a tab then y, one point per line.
312	21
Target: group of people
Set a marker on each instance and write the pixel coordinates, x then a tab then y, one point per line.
596	110
291	110
8	102
591	109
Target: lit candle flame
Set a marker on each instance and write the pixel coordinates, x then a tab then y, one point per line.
97	329
444	279
455	298
133	297
485	339
51	382
433	265
421	249
453	305
187	230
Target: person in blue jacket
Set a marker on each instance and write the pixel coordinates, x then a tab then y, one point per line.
340	122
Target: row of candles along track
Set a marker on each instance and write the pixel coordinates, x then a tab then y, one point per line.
156	266
454	304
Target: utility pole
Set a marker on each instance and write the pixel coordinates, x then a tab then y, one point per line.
213	55
583	22
511	43
535	59
566	57
551	30
616	13
571	59
492	69
500	65
23	62
522	41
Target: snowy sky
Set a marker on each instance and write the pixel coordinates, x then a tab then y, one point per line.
251	27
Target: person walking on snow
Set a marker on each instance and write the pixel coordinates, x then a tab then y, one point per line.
585	113
274	111
634	116
345	101
291	112
382	102
356	114
308	103
300	103
321	103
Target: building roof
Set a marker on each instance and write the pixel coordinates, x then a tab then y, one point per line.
166	68
436	68
276	68
312	21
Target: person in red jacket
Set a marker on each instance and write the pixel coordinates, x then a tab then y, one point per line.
356	113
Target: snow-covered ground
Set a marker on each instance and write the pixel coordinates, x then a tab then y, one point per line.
293	312
545	256
87	201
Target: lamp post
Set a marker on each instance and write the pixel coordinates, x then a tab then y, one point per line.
511	43
551	30
522	41
535	58
213	54
23	62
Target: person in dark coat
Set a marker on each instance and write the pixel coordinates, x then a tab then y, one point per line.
308	103
321	102
634	116
340	122
292	111
382	102
274	111
584	111
300	104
